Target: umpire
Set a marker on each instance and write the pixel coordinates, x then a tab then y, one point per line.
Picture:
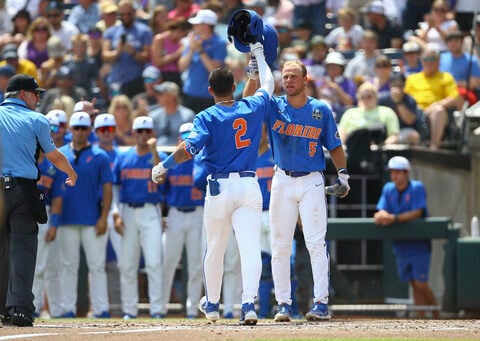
23	134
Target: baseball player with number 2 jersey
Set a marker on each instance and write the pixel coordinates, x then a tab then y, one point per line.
299	126
230	134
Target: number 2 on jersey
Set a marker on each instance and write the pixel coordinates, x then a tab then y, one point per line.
240	125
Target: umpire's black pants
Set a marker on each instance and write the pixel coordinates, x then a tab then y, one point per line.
18	252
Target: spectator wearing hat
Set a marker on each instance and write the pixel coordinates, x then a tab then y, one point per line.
127	48
108	15
464	67
84	68
145	101
334	87
64	86
167	49
88	107
205	52
183	9
411	51
83	221
84	15
413	122
21	66
6	72
362	67
404	199
59	135
56	58
348	35
61	28
139	220
170	114
390	34
315	61
19	144
437	24
435	92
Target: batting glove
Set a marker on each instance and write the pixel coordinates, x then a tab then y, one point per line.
343	180
252	70
257	49
158	173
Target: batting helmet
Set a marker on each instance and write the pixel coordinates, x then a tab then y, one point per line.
247	27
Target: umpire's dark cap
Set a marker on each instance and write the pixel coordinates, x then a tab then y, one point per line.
23	82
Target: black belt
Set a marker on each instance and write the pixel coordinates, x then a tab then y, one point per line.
186	209
15	181
245	174
135	204
295	174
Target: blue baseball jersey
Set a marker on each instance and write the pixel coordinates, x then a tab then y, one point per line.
297	135
82	202
22	129
92	137
179	187
51	181
265	174
414	197
230	135
199	172
133	173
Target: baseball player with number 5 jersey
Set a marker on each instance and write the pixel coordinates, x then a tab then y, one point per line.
299	126
230	134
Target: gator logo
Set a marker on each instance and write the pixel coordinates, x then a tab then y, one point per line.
317	114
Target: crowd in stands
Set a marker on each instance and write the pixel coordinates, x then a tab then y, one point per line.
406	66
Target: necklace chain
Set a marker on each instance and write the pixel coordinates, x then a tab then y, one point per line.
224	102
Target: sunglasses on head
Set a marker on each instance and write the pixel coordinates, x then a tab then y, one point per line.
105	129
82	128
54	128
144	130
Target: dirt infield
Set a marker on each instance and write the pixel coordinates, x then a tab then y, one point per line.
200	329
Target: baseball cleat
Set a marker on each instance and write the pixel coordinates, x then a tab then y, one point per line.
103	315
283	314
249	316
209	309
319	312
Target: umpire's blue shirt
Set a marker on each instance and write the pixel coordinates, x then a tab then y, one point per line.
20	129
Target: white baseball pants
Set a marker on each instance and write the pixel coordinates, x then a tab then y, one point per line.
290	197
70	238
183	229
239	204
232	278
143	231
47	273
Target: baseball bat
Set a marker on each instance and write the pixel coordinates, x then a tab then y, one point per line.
336	189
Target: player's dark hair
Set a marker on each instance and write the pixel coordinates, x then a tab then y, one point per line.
221	81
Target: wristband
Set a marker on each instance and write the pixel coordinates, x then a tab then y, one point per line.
342	171
54	219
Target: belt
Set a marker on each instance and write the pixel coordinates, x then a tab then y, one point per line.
186	209
245	174
294	174
135	204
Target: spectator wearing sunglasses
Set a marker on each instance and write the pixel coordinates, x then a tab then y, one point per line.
34	48
61	28
368	114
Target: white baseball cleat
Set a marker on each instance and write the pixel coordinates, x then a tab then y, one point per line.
209	309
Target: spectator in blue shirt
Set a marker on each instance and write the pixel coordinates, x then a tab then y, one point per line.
85	15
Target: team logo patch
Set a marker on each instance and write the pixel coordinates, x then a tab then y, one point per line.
317	114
